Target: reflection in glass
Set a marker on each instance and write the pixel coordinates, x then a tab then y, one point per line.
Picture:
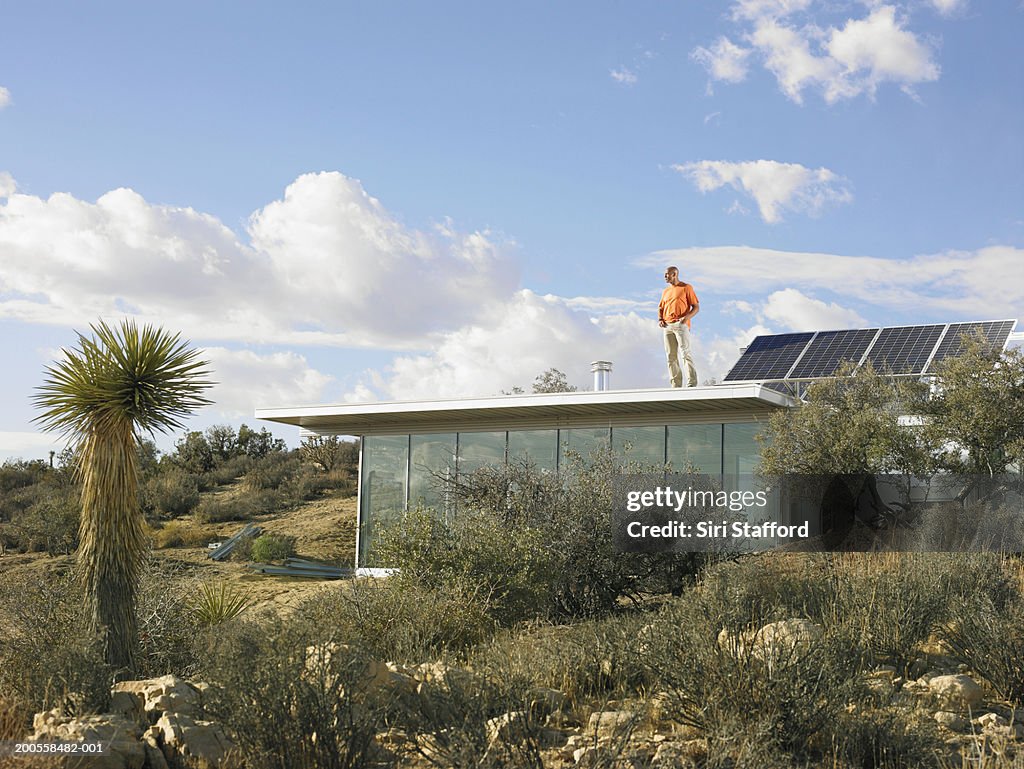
644	446
431	464
583	441
696	446
479	449
540	446
383	492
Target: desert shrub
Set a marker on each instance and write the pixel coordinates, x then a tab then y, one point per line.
227	471
990	639
884	739
891	603
272	471
514	568
237	508
179	534
171	494
213	604
50	524
168	629
284	706
404	623
47	655
272	547
784	694
598	658
763	588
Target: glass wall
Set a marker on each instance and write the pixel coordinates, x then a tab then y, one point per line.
696	446
409	470
644	446
383	492
540	446
431	464
583	440
479	449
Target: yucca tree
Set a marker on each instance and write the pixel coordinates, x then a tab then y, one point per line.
116	387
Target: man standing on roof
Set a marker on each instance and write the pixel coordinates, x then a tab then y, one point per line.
678	304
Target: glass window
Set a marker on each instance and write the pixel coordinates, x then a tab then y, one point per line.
383	492
584	441
479	449
696	446
742	455
541	446
644	446
431	464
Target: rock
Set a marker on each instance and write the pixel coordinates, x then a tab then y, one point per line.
957	692
594	756
542	701
611	725
164	694
951	721
119	735
990	719
672	755
181	736
785	638
509	727
373	681
130	705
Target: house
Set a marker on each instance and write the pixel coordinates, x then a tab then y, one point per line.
406	444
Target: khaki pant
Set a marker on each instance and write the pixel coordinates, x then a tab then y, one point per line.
677	345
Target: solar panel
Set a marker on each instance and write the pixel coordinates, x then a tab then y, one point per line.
996	332
904	349
769	357
829	349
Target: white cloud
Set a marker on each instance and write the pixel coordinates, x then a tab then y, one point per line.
325	265
724	60
774	186
28	445
623	75
949	7
796	311
842	61
247	381
5	97
7	185
533	333
958	285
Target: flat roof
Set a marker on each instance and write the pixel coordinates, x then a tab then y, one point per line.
532	410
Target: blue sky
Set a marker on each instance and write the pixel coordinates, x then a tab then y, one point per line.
398	200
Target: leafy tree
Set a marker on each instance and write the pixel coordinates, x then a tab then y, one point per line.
329	452
223	442
977	411
194	452
552	381
258	444
118	384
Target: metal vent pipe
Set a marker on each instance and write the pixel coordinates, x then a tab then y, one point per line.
602	370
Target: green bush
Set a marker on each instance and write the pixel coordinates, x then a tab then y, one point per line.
990	640
284	705
404	623
594	659
786	695
51	522
513	568
46	650
237	508
227	471
272	547
171	494
272	471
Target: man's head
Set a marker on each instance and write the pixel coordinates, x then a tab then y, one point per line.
671	275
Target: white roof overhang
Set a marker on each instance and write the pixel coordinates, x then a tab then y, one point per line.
537	411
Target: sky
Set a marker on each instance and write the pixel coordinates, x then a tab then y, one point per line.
359	201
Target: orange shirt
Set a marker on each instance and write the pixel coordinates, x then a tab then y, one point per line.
676	302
